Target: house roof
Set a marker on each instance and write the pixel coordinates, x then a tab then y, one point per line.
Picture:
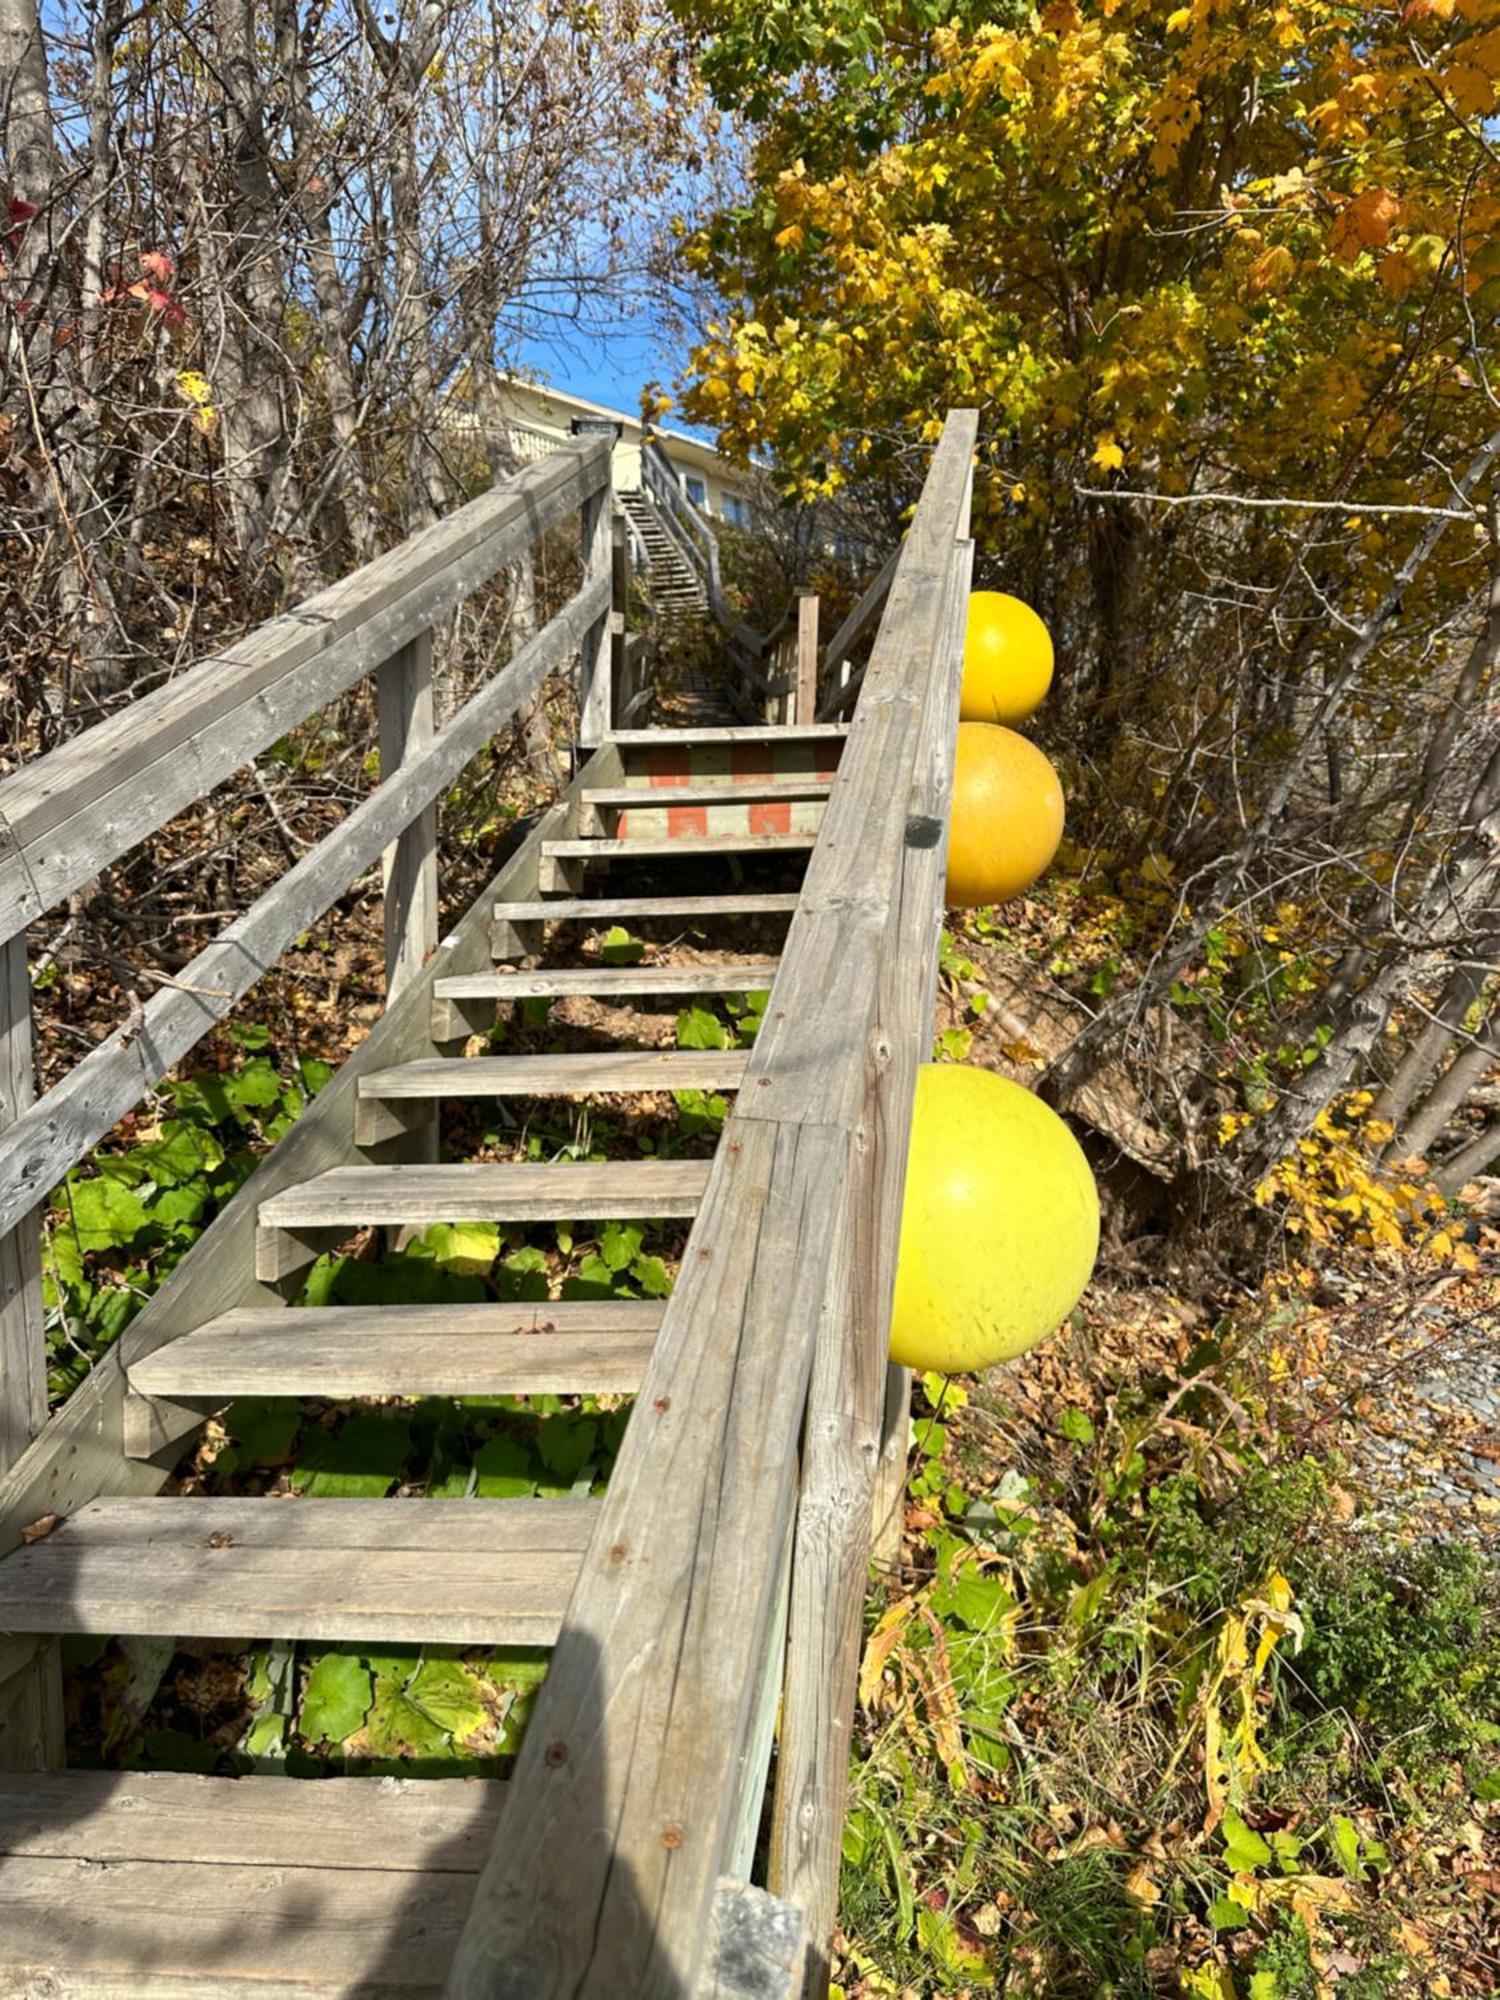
687	445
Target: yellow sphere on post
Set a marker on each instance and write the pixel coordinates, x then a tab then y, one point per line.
999	1225
1007	818
1007	659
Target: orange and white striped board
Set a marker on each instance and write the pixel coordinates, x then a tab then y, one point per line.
669	766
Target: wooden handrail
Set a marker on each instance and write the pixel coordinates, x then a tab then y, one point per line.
643	1751
91	800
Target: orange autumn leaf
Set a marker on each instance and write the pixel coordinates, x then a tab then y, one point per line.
1365	223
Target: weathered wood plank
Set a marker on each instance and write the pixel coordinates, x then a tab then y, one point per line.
440	1572
760	732
805	701
559	1076
845	1438
681	845
565	1347
139	1930
595	653
625	1792
751	975
400	1825
732	791
510	1191
409	865
67	815
91	1099
570	909
31	1713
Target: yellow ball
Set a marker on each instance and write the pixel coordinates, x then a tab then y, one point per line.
1007	659
1007	816
999	1227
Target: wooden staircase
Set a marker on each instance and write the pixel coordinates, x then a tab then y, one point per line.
137	1886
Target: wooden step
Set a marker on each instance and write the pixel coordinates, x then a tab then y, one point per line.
131	1886
610	982
601	909
682	844
558	1076
740	732
734	791
436	1572
505	1191
558	1348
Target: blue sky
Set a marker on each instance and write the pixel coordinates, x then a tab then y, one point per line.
610	367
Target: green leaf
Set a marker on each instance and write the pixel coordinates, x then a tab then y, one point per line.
358	1462
504	1469
618	947
697	1028
653	1277
979	1602
620	1244
1344	1835
1076	1426
566	1444
336	1698
249	1034
262	1430
105	1215
256	1084
468	1248
447	1694
1227	1915
1244	1850
953	1045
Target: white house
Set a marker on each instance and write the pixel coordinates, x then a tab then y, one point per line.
539	418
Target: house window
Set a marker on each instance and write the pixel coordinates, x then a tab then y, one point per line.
695	489
734	509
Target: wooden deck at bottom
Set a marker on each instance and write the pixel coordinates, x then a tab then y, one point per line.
131	1887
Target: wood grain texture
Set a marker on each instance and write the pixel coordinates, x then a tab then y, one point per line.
627	1787
352	1197
805	698
731	791
91	800
390	1824
409	864
768	732
751	975
440	1572
678	846
602	909
31	1705
568	1346
583	1075
94	1095
846	1426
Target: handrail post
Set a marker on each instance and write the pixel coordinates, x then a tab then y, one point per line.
595	706
409	865
621	690
807	657
31	1733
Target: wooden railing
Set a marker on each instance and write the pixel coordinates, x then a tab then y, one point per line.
759	1448
76	811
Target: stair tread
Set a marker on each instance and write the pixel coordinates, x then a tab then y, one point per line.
119	1884
747	732
439	1572
682	843
554	1347
750	975
733	792
503	1191
558	1075
561	908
